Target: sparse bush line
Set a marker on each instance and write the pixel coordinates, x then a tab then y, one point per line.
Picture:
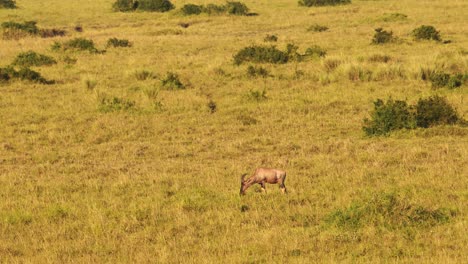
143	5
230	8
271	54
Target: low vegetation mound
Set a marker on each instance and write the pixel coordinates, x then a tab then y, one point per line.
388	211
254	72
76	44
397	114
271	54
382	36
143	5
23	74
116	43
426	33
231	8
31	58
441	79
270	38
310	3
7	4
17	30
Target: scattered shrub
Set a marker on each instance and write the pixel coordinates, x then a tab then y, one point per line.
172	82
256	95
7	4
142	75
261	54
77	44
125	5
31	58
426	33
191	9
380	58
434	111
24	74
442	79
381	36
53	32
314	51
253	71
115	42
270	38
439	79
331	64
4	74
456	81
317	28
356	73
13	30
389	116
212	106
113	104
387	210
155	5
310	3
213	9
236	8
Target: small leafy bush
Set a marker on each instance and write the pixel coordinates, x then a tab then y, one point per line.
381	36
317	28
115	42
434	111
439	79
142	75
125	5
261	54
236	8
257	95
389	116
77	44
270	38
24	74
310	3
172	82
253	71
456	81
113	104
191	9
142	5
426	33
53	32
12	29
31	58
7	4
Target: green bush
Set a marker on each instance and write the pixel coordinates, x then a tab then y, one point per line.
261	54
115	42
310	3
24	74
381	36
172	82
236	8
317	28
253	71
456	81
191	9
31	58
114	104
426	33
125	5
257	95
5	74
12	29
389	116
439	79
213	9
155	5
76	44
270	38
434	111
314	51
7	4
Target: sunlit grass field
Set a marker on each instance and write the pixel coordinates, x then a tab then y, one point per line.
159	182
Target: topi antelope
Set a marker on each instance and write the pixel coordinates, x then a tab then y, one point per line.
262	176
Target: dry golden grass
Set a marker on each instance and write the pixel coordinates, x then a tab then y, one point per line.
159	182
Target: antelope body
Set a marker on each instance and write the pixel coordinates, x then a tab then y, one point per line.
262	176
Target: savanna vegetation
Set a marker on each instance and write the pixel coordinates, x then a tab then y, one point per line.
125	127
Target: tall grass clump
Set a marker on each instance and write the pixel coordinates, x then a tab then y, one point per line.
426	33
31	58
382	36
76	44
11	30
387	211
172	82
7	4
114	104
309	3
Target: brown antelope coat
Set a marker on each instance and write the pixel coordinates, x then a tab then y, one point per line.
262	176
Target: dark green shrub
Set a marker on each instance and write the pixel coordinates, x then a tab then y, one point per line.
7	4
14	30
125	5
213	9
77	44
261	54
24	74
426	32
113	104
50	33
115	42
433	111
155	5
236	8
439	79
270	38
455	81
5	74
381	36
389	116
317	28
310	3
172	82
253	71
31	58
191	9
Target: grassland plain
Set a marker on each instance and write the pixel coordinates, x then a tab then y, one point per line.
159	182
